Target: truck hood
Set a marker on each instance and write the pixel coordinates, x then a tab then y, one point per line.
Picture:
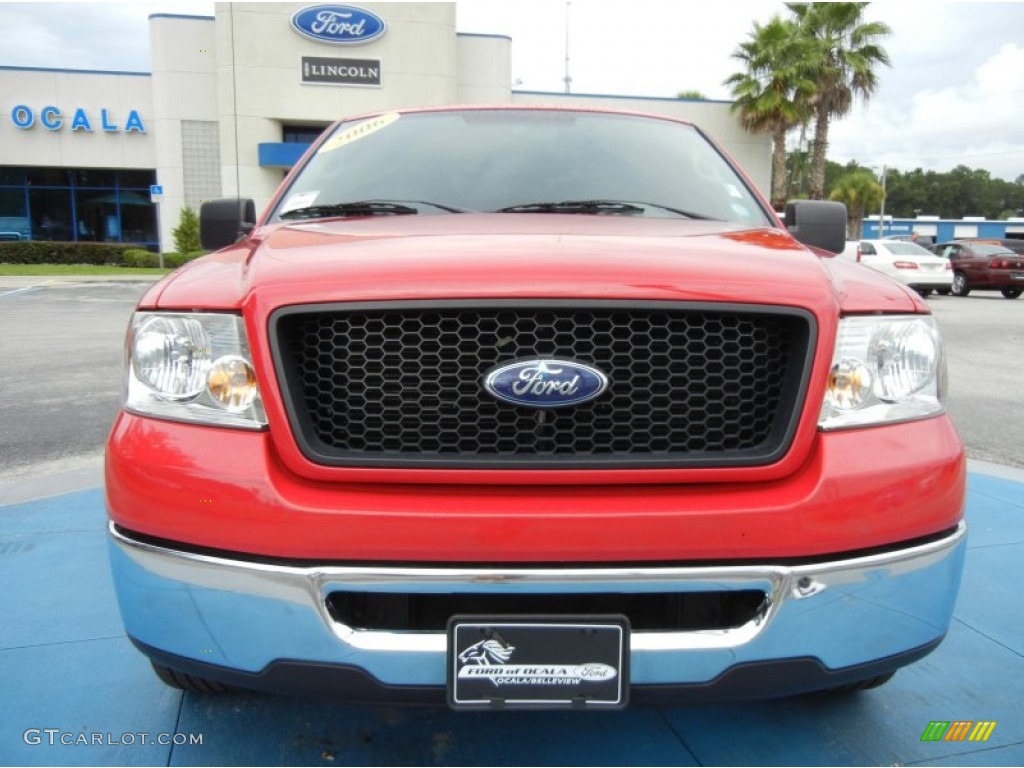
524	256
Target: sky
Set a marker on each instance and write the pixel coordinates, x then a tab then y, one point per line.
954	94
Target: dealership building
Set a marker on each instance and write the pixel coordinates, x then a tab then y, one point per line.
233	100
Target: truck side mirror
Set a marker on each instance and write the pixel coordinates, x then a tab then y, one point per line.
225	222
820	223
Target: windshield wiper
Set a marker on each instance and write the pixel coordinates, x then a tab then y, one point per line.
574	206
361	208
364	208
681	212
449	208
596	207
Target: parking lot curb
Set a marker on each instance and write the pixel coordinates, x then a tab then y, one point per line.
14	282
995	470
52	478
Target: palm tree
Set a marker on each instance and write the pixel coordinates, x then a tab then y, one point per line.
861	192
772	93
847	51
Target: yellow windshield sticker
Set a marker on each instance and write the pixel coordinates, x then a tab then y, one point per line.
359	131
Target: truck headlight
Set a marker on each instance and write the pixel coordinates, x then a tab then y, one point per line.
192	366
884	369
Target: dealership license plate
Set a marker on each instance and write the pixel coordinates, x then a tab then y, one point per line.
1018	275
538	662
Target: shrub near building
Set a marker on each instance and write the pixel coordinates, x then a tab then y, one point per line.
56	252
186	234
139	257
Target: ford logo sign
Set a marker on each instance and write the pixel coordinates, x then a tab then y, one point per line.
545	383
342	24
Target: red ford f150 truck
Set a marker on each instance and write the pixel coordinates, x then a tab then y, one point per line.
520	407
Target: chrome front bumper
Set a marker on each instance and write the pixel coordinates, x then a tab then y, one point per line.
246	616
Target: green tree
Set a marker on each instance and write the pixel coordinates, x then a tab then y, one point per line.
846	53
834	172
691	94
860	192
772	92
186	234
952	194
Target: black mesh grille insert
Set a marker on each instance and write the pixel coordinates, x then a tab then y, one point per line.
401	385
647	612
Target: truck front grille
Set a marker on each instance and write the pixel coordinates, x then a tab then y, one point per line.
400	384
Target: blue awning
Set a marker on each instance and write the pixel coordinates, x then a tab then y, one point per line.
280	154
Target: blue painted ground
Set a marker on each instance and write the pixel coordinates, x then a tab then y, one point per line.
67	673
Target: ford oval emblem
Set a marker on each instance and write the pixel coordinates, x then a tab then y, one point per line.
545	383
343	24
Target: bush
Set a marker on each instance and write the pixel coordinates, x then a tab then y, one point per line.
138	257
49	252
111	254
186	234
174	260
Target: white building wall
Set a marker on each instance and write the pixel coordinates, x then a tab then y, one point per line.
184	89
484	69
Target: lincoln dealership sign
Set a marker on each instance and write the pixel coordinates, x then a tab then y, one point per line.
338	24
53	119
340	71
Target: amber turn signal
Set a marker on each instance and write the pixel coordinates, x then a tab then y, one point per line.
231	382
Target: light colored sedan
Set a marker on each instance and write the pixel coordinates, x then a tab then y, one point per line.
912	265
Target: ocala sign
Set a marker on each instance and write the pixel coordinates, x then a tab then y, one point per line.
340	24
52	119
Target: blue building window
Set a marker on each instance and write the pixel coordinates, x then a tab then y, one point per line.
77	205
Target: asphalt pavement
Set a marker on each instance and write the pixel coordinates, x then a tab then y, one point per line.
62	346
983	336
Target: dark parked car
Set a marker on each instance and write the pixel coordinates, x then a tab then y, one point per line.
1014	244
981	266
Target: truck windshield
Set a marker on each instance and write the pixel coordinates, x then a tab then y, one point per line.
519	161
